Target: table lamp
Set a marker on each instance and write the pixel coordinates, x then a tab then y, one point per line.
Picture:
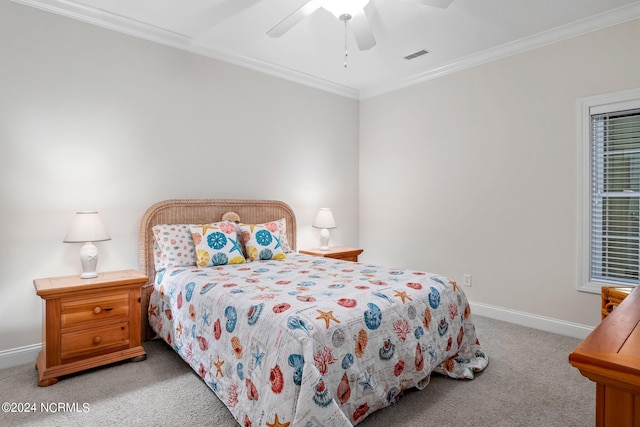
324	221
87	228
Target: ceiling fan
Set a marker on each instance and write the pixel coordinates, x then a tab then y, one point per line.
348	11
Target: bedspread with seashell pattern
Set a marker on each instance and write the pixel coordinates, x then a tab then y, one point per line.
314	341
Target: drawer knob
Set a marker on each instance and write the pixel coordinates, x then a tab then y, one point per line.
97	310
97	340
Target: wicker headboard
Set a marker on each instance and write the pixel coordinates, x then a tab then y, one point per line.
201	211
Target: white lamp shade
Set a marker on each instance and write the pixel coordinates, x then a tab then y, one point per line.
324	219
87	227
342	7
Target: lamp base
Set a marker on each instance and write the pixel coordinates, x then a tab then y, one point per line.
89	275
324	239
89	260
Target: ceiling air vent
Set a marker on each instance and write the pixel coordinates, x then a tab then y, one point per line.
416	54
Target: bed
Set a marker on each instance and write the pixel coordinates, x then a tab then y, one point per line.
286	339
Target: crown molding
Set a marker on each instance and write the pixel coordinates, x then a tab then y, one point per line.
152	33
132	27
597	22
110	20
276	71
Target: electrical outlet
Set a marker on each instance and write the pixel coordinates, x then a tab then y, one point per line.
467	280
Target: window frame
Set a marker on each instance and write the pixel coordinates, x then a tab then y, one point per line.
617	101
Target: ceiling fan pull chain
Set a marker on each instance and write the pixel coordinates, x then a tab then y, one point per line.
346	53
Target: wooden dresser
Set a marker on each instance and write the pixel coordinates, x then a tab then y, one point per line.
89	322
610	356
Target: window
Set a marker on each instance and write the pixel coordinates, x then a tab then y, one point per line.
610	190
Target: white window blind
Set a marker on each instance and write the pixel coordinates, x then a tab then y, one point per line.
615	196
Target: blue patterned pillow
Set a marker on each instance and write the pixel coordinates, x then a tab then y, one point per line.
217	244
262	241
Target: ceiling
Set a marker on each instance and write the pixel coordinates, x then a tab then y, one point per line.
465	34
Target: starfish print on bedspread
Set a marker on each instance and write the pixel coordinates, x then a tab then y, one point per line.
218	363
403	295
257	357
327	317
277	423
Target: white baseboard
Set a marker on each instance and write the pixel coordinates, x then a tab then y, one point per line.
26	354
19	355
548	324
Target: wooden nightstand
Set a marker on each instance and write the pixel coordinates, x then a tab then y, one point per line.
89	322
337	252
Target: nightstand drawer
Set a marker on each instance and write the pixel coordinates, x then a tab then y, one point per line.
96	340
94	309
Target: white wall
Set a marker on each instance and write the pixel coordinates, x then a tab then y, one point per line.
94	119
476	173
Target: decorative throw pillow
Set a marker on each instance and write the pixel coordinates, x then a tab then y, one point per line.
217	244
173	246
282	230
262	241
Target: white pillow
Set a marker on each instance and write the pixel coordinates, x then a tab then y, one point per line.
173	246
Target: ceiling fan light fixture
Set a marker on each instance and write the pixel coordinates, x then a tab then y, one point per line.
343	7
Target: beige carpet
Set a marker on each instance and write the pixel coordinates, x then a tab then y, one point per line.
528	382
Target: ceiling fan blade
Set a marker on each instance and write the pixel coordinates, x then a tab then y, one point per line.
362	30
290	21
435	3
